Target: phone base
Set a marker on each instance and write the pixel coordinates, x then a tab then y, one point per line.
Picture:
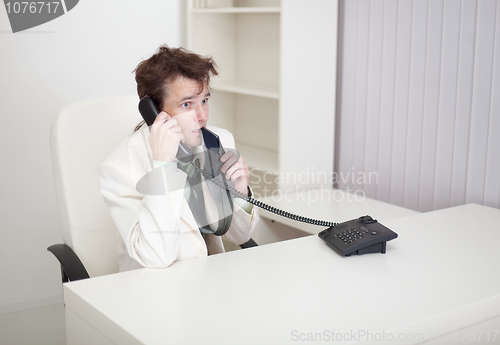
358	236
375	248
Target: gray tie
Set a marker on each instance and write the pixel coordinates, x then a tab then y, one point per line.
196	200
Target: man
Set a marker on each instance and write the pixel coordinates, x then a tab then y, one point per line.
145	189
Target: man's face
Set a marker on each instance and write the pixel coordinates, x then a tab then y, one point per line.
189	107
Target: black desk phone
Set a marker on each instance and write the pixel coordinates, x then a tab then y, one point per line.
357	236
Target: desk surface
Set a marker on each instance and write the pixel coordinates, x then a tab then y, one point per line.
439	275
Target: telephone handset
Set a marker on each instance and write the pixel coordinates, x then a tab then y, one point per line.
149	110
369	237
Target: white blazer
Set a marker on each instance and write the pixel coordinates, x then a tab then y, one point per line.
150	212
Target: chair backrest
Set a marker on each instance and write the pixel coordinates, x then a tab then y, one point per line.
81	136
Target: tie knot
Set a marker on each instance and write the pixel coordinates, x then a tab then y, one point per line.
189	169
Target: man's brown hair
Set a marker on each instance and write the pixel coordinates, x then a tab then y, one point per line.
154	75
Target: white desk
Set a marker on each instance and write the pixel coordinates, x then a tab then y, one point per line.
441	274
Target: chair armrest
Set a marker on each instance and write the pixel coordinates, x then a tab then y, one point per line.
71	267
251	243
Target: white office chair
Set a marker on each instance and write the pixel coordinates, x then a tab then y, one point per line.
81	137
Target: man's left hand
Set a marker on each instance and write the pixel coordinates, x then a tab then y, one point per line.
236	169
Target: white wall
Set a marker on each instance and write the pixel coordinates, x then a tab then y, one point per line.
418	101
89	52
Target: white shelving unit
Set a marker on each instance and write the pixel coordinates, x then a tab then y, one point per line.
276	87
237	10
248	88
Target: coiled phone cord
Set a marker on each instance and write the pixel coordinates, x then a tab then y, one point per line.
262	205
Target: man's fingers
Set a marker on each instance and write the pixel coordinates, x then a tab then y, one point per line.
162	117
172	125
239	169
229	163
226	156
229	159
166	126
234	175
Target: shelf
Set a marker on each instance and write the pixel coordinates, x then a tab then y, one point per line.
250	89
236	10
255	96
258	158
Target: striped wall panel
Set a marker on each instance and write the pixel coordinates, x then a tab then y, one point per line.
418	110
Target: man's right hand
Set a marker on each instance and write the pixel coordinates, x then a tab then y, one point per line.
164	138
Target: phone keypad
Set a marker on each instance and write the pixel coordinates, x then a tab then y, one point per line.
352	235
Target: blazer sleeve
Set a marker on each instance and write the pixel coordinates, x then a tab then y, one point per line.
145	212
242	225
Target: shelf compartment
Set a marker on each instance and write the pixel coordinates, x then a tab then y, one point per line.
248	88
258	158
236	10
